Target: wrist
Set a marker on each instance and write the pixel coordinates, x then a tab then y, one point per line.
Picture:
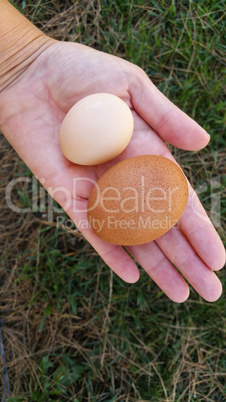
20	43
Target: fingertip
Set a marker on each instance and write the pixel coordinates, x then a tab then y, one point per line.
129	273
218	264
215	292
170	123
207	138
182	296
179	292
204	139
134	278
196	137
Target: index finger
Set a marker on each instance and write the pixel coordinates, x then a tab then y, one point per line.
200	232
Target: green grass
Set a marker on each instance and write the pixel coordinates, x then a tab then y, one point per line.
73	330
114	339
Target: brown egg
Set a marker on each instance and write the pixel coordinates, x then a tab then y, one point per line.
96	129
137	200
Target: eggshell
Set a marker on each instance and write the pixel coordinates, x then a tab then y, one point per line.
96	129
137	200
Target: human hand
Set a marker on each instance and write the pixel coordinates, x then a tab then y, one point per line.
32	109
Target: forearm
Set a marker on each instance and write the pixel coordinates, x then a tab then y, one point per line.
20	43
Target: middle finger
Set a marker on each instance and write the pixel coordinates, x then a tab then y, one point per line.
159	268
180	252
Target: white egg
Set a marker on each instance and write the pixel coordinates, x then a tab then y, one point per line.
96	129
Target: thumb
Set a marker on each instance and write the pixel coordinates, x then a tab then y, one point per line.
171	124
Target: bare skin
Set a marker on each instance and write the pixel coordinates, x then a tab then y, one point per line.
32	108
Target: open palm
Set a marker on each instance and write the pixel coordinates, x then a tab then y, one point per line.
34	106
